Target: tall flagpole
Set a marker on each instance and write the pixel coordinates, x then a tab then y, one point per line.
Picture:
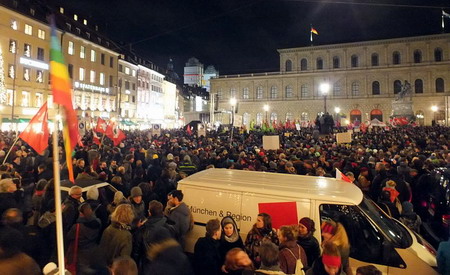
311	35
443	21
57	182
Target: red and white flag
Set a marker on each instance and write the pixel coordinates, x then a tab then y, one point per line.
341	176
114	133
36	134
95	138
101	126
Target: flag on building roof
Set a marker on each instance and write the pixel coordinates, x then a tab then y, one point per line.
62	95
314	31
36	133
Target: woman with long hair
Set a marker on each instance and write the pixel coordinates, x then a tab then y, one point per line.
290	251
306	239
261	231
335	232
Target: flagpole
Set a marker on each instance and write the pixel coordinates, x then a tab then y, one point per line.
443	21
310	34
10	149
58	208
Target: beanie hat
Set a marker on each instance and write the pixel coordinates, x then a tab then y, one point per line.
92	193
407	208
169	157
391	184
172	165
328	227
364	169
329	260
136	191
308	223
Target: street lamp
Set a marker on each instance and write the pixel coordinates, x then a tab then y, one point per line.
324	88
233	102
434	108
266	109
337	110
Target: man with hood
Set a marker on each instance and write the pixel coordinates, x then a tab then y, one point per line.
179	212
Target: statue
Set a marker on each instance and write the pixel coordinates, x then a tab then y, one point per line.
405	91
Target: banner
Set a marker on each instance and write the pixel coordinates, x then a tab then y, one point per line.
156	129
271	142
343	138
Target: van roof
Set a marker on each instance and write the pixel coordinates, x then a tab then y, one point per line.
328	189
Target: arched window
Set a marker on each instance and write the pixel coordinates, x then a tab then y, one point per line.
259	118
375	88
259	92
397	86
246	119
336	62
417	56
376	114
319	63
288	65
337	89
304	90
273	92
418	86
273	117
355	88
355	116
303	64
304	116
438	54
233	92
288	91
396	59
374	59
289	116
355	61
440	87
245	93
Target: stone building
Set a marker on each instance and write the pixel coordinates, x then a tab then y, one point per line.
363	79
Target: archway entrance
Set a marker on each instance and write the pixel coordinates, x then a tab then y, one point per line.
376	113
355	116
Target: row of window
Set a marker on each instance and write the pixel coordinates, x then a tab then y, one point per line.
26	50
355	60
337	89
93	54
25	99
28	29
27	74
127	71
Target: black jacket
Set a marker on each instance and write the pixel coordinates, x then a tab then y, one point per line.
206	257
7	201
311	247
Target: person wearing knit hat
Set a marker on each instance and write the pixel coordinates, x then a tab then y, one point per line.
330	263
306	239
137	203
335	232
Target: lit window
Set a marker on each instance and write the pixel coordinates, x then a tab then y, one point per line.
81	74
28	29
14	24
12	46
102	79
9	97
82	52
92	77
245	93
41	34
39	99
85	21
75	17
27	50
11	71
26	74
133	73
70	49
92	56
25	99
40	54
61	10
127	70
39	76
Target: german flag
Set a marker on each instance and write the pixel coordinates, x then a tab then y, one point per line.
62	95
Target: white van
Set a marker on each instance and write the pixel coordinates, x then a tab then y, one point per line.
374	237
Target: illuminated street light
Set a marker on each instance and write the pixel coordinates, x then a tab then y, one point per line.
434	108
266	109
233	103
337	110
324	89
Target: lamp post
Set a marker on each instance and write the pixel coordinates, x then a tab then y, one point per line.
233	102
324	88
266	109
434	108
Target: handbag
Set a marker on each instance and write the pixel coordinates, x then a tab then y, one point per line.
71	265
298	262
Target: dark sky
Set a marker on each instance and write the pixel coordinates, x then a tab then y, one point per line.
238	36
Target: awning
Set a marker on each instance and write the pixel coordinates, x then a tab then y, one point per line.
16	120
128	123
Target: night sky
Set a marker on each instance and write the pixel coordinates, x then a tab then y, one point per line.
238	36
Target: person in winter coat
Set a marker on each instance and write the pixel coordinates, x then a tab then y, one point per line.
7	195
387	206
138	204
230	237
37	199
116	239
329	263
443	257
179	212
70	210
335	232
97	207
290	251
410	218
269	254
124	266
88	234
207	260
119	198
261	231
306	239
237	262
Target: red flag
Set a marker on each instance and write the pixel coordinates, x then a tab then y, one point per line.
95	138
109	131
341	176
118	136
101	126
189	130
36	134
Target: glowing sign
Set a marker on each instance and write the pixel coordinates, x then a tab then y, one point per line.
33	63
83	86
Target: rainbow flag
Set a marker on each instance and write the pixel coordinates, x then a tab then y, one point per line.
62	95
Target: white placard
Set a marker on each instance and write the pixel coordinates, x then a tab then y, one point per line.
237	121
271	142
201	130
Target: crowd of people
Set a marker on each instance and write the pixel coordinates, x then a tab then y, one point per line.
147	220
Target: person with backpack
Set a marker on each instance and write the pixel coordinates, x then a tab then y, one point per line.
292	257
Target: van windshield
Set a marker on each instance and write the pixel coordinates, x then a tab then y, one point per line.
391	228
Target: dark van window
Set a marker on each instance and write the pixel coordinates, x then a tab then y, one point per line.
366	241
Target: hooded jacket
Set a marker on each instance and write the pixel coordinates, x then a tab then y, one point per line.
181	215
228	243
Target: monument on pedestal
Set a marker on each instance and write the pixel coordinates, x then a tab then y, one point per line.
402	104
